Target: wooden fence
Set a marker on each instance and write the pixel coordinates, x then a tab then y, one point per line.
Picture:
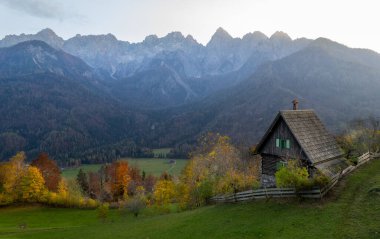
288	192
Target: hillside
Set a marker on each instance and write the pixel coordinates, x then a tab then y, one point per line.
338	88
52	102
351	211
86	113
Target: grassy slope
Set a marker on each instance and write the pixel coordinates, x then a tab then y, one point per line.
154	166
350	212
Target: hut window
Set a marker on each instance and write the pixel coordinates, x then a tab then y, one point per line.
287	144
283	143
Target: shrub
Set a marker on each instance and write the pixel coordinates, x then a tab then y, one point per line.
102	211
353	160
91	203
320	180
293	175
136	204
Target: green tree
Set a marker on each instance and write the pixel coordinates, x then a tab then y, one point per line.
82	180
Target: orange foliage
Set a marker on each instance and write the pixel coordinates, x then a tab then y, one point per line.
49	170
118	173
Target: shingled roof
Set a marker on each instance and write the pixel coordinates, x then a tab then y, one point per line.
317	143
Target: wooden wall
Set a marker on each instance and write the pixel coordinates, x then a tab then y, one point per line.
269	164
272	154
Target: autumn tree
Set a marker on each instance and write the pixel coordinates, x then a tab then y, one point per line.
135	180
2	176
118	179
49	169
75	196
164	192
94	185
62	192
216	167
361	135
149	182
12	174
32	185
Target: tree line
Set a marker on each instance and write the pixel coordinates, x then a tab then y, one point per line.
215	167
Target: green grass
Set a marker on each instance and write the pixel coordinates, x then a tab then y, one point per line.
157	166
71	173
350	211
154	166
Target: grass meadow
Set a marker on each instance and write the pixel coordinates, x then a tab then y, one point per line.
351	210
155	166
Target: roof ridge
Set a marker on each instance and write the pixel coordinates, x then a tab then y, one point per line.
297	110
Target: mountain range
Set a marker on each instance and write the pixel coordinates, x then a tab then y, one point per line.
95	97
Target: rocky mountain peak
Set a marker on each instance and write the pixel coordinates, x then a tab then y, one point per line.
221	36
280	36
176	36
47	35
255	36
150	40
221	33
47	32
191	39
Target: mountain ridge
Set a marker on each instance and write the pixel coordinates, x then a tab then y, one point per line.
167	92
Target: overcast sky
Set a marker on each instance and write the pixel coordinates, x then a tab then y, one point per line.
354	23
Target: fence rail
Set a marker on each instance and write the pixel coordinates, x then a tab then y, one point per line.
290	192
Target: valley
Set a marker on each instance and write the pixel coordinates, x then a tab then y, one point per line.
189	119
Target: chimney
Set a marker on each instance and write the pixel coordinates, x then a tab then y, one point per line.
295	104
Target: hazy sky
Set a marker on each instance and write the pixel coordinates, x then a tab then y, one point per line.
354	23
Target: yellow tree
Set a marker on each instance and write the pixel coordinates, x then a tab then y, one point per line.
164	192
12	174
216	167
62	193
2	176
32	185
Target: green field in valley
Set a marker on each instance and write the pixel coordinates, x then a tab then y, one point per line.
351	210
154	166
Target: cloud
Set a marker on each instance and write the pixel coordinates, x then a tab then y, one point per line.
37	8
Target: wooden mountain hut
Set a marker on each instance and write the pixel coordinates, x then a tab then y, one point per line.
300	134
